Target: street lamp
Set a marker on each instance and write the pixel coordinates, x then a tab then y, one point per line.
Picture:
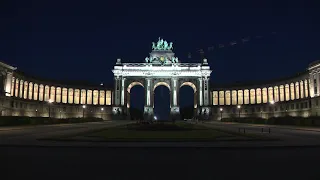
36	112
272	103
221	113
83	107
101	112
239	107
50	102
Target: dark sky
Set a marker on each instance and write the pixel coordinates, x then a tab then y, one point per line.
81	40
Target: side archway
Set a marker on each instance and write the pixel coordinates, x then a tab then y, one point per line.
187	106
136	94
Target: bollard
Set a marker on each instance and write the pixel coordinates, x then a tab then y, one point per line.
244	130
269	130
261	129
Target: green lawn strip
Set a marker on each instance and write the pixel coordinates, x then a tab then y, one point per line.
252	135
122	134
78	133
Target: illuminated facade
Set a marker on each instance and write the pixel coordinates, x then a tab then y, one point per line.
162	68
23	95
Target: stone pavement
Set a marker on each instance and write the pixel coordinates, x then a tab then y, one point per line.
29	136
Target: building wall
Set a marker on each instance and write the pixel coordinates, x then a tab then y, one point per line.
301	107
11	106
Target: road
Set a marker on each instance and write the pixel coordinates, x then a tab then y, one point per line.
288	134
159	163
103	162
29	134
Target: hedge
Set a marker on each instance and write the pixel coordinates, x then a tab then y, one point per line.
24	120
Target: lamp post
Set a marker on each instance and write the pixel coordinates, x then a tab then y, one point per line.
101	112
50	102
239	107
272	103
221	113
83	107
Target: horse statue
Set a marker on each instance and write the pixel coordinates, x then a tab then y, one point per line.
170	47
154	47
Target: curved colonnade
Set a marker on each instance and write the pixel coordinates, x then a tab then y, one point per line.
27	96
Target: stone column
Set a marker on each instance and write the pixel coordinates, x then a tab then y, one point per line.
122	91
311	85
175	109
175	92
200	100
206	92
318	81
148	107
116	91
8	82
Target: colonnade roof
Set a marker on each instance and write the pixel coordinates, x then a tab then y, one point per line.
61	83
255	84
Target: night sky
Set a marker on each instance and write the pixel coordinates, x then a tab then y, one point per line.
81	40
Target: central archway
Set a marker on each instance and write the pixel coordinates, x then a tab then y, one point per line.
161	101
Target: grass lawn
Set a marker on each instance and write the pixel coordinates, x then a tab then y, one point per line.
178	132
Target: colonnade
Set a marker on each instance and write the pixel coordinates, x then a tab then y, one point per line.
33	91
286	92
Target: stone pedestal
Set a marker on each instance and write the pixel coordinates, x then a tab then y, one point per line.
118	113
175	113
148	113
204	113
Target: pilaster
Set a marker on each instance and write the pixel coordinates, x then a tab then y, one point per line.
200	99
318	81
8	83
206	91
122	91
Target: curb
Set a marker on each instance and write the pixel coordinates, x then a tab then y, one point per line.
113	145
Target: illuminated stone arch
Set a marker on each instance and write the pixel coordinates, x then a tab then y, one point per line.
163	84
191	84
161	68
131	85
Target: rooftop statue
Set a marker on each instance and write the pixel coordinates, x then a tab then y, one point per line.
162	45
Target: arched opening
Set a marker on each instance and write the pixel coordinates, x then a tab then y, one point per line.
187	100
162	101
135	100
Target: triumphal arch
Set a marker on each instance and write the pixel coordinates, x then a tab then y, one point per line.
161	68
